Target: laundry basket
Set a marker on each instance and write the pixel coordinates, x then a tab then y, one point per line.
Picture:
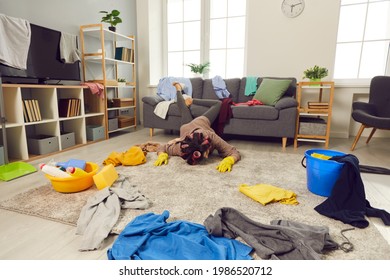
322	173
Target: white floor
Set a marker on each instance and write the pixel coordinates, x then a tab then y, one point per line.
25	237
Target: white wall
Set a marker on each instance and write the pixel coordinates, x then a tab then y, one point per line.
68	15
282	46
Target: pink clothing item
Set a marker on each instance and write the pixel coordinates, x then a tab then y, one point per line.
252	102
95	88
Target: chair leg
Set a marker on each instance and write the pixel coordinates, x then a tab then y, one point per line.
151	130
362	127
371	134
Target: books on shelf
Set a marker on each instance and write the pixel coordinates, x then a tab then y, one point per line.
31	111
317	105
69	107
125	54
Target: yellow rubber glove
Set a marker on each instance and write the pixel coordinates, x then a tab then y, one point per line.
226	164
162	159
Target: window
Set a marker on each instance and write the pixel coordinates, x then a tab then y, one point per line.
206	31
363	40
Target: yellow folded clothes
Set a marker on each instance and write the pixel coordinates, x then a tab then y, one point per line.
266	194
321	156
133	156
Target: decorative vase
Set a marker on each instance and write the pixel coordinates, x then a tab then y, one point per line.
112	28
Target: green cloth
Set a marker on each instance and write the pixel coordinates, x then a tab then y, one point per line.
271	90
251	85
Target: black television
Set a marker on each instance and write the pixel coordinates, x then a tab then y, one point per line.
44	64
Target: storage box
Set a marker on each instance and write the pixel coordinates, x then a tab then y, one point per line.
2	155
123	102
67	140
95	132
112	124
42	144
125	121
312	126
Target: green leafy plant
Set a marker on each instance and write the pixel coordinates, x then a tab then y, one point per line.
112	18
121	80
199	68
315	73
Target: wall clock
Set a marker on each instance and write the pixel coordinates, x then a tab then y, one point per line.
293	8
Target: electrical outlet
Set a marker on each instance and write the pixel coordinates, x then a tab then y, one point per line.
125	112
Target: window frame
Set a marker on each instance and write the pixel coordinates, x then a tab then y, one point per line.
357	80
205	36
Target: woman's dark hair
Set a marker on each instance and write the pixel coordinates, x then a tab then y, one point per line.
193	147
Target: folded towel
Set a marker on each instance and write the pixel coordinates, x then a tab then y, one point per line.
15	34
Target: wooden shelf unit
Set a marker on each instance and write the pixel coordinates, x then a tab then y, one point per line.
100	64
317	92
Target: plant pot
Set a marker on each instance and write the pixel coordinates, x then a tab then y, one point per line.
112	28
121	84
316	82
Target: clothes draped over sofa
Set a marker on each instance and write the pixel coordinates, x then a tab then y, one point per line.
167	91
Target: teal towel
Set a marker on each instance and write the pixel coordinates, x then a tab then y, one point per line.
251	85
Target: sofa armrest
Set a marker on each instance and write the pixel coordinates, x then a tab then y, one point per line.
152	100
286	102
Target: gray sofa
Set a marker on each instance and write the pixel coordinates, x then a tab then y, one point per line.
263	120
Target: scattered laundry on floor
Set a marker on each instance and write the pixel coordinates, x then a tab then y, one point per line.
281	240
102	211
151	237
265	194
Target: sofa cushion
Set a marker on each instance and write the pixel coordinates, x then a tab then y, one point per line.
232	85
262	112
197	87
271	90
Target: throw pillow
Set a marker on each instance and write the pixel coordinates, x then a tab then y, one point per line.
271	90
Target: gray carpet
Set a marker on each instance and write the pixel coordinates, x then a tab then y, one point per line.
192	193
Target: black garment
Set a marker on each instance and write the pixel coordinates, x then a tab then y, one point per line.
347	201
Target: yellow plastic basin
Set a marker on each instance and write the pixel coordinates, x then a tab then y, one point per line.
75	184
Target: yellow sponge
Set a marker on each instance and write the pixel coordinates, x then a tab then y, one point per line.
106	177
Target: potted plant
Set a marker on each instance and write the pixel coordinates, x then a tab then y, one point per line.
199	69
112	18
121	82
315	73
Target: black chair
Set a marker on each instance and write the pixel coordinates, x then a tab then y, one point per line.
375	113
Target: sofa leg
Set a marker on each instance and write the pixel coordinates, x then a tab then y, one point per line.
151	130
284	142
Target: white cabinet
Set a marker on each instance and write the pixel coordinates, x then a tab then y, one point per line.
42	117
107	57
315	101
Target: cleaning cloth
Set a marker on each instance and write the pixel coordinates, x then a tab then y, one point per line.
266	194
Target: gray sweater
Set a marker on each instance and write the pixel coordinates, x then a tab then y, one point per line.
282	240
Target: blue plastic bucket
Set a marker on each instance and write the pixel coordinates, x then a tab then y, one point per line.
321	173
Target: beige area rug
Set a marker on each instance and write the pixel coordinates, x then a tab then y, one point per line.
192	193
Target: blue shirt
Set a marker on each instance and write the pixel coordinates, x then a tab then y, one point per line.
151	237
